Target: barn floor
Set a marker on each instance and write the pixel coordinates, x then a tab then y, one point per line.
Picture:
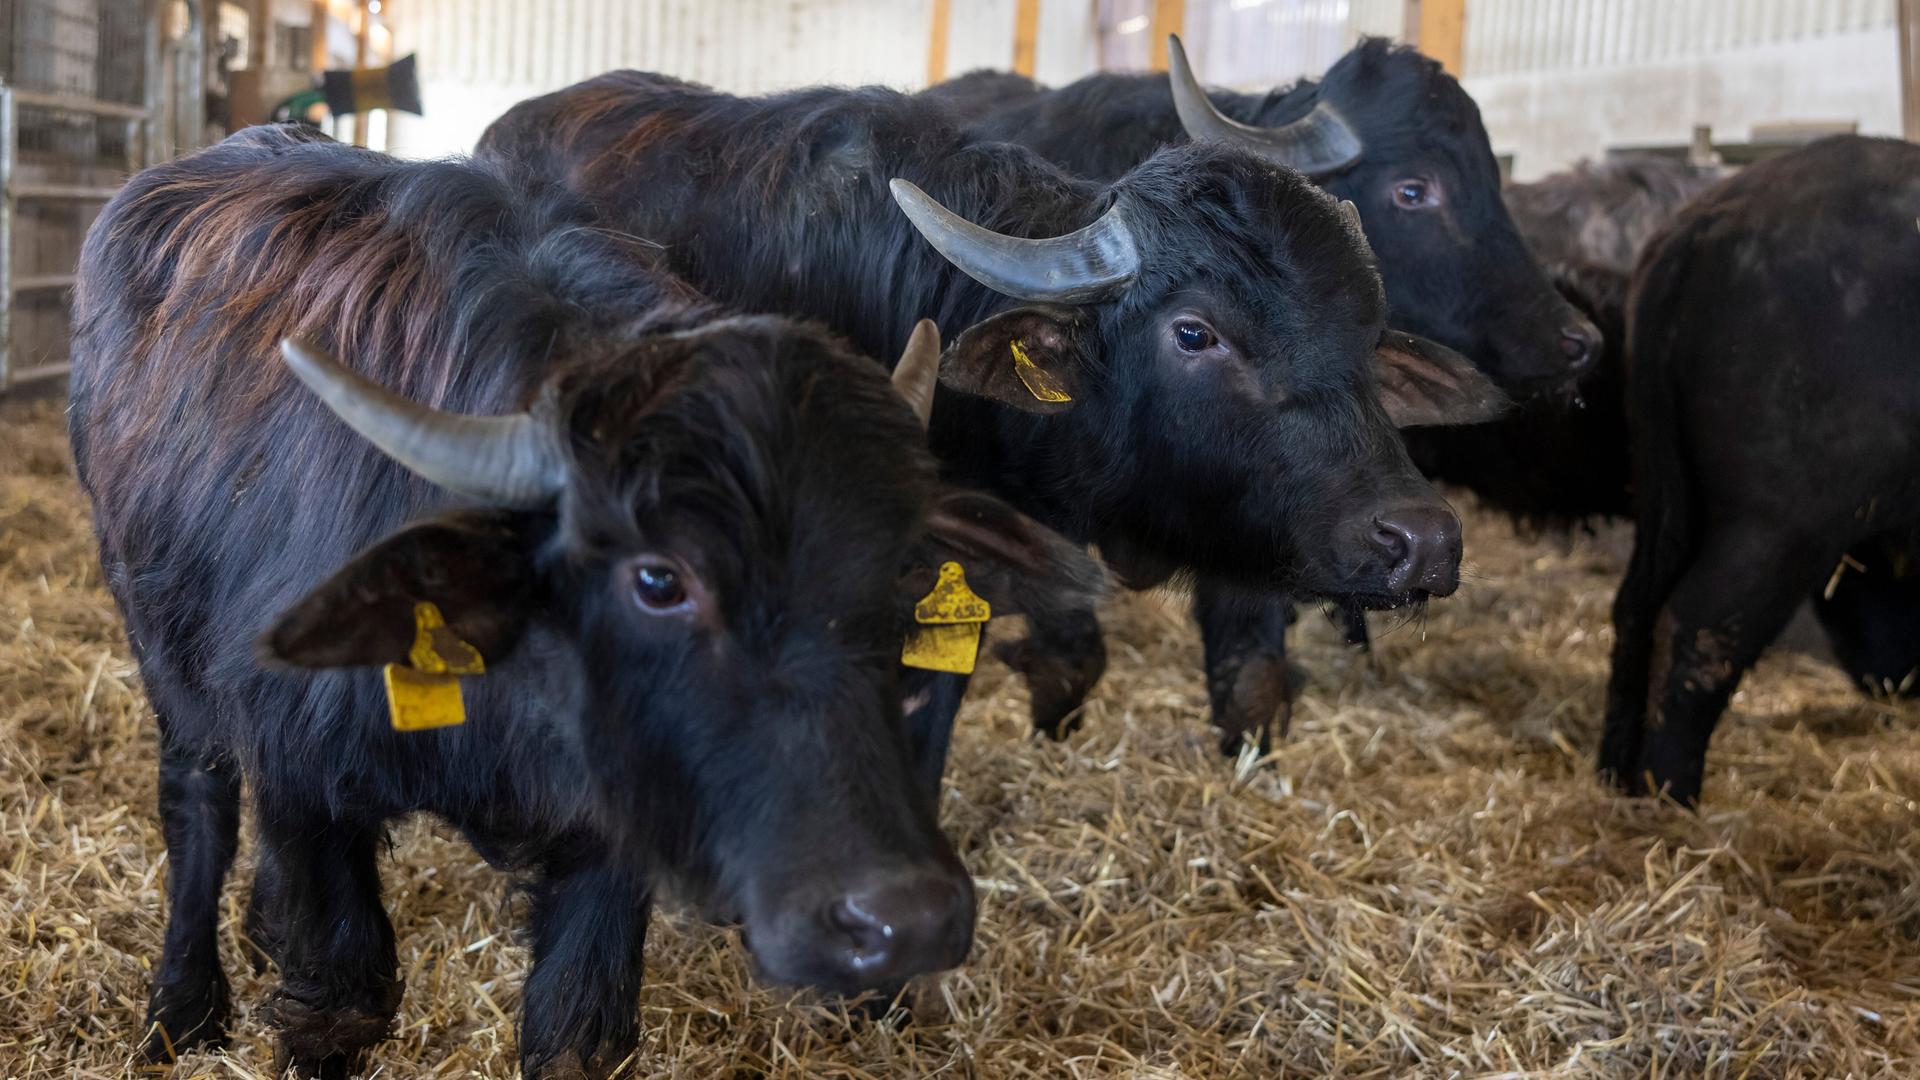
1424	882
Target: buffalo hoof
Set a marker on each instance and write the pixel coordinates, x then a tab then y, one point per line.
185	1015
1059	673
328	1042
571	1066
1252	695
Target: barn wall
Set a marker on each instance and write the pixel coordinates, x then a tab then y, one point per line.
1256	44
1558	80
478	57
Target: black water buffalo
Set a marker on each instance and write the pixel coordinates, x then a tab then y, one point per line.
1387	129
677	543
1775	411
1215	319
1601	213
1559	461
1555	463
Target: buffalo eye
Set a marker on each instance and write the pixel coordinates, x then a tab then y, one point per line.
1192	337
1415	194
658	588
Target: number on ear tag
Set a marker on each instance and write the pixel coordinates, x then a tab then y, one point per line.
951	618
426	695
1040	382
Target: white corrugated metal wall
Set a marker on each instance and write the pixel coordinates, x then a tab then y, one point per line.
478	57
1558	80
1553	35
1256	44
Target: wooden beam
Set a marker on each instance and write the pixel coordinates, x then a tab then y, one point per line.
1026	36
1910	68
246	102
362	53
259	17
1439	28
317	51
1169	17
937	41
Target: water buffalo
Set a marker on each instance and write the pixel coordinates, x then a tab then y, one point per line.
1601	213
1774	407
1559	461
675	549
1216	320
1387	129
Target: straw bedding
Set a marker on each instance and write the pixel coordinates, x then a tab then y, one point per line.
1423	881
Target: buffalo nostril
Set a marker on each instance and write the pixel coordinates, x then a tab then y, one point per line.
1422	547
1580	344
901	928
1392	539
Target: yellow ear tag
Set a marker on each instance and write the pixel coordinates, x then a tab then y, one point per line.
426	695
950	618
1039	382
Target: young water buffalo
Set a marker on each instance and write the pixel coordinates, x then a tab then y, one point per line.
1216	322
1387	129
675	551
1559	461
1554	463
1774	405
1602	213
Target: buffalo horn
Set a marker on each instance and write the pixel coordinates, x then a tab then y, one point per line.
1317	144
495	459
919	368
1083	266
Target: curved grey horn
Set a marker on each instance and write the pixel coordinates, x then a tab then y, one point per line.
919	369
1317	144
1085	265
497	459
1352	214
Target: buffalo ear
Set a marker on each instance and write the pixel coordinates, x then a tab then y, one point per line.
1028	357
1017	564
476	567
1423	384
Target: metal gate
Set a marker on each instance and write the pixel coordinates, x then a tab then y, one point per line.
78	79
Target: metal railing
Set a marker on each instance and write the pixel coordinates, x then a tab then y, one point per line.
139	134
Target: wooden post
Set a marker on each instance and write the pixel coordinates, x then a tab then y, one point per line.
1026	36
317	50
259	17
1169	17
246	88
1910	68
937	41
360	49
1439	29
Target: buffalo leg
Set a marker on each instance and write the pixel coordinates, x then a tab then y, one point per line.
932	703
1061	658
1250	684
261	926
200	816
1871	613
338	988
582	998
1643	592
1734	597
